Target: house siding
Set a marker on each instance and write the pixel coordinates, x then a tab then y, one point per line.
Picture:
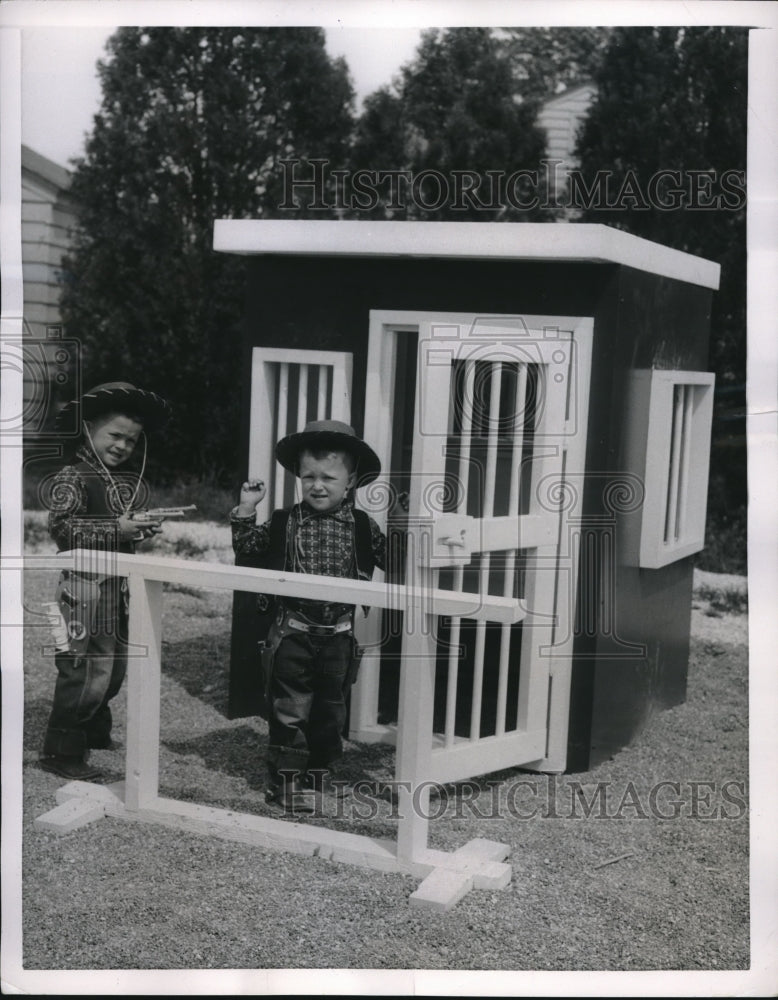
48	220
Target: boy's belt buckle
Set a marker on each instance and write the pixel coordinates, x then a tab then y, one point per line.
341	626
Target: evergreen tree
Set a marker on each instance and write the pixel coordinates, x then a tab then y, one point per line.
453	109
193	126
545	61
674	99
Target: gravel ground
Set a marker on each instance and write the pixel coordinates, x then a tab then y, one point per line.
640	883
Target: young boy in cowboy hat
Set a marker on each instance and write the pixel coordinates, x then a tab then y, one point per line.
89	508
310	654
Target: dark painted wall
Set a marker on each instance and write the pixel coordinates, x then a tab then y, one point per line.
635	658
324	303
637	661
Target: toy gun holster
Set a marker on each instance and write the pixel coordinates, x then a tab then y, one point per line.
77	597
268	649
278	631
353	668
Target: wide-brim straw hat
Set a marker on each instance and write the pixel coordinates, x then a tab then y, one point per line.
330	435
153	410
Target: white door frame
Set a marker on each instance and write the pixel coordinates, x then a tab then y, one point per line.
385	327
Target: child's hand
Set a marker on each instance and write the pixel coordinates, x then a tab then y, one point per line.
137	531
252	491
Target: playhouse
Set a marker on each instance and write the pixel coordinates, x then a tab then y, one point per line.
540	391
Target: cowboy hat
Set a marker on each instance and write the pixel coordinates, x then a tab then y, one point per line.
329	435
110	397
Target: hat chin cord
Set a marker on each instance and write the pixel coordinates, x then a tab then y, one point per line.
128	508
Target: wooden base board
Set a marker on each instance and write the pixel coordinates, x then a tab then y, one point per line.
446	877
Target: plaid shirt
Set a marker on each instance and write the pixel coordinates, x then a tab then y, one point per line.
321	543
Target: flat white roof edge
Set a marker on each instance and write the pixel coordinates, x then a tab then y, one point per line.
571	241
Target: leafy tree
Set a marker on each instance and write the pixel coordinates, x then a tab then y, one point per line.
452	109
675	99
545	61
193	126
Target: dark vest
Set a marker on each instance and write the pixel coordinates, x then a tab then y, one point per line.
97	505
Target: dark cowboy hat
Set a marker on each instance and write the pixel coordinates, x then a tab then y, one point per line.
110	397
332	435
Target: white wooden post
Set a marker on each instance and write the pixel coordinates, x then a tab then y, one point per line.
261	463
509	580
282	404
414	736
321	393
379	391
143	692
302	398
341	390
463	486
561	667
542	564
419	652
493	431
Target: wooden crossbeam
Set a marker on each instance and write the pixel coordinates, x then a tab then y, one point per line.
217	576
447	877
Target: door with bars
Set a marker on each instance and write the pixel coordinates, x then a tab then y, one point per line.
498	433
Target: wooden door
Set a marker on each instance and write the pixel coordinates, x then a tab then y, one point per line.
499	433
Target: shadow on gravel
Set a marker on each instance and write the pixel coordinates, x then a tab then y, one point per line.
238	753
241	752
201	666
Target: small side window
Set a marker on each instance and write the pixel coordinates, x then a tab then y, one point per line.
670	430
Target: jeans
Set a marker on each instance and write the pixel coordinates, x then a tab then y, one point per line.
80	716
307	701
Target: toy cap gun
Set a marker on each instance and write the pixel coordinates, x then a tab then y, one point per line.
148	520
160	513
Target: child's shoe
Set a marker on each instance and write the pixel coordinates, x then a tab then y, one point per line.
102	743
73	768
292	795
323	782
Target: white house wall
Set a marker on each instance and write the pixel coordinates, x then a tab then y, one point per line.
47	221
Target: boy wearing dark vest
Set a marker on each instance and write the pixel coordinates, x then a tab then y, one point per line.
90	504
310	653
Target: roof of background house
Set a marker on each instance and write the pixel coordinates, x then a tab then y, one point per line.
45	169
573	91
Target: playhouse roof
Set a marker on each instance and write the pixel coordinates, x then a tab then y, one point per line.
574	241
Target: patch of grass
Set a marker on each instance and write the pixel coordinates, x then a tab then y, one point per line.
181	588
724	600
35	531
186	547
213	502
726	549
